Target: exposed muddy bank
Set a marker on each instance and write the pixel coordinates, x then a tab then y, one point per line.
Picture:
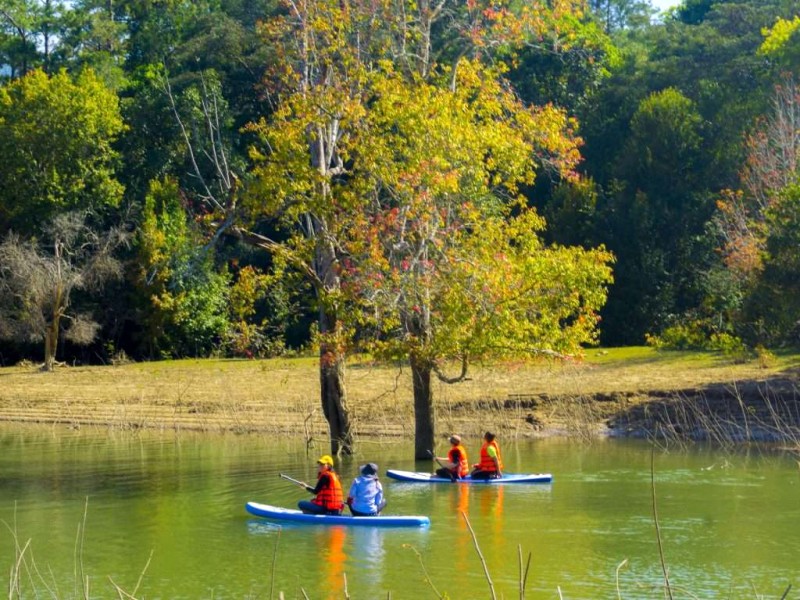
736	412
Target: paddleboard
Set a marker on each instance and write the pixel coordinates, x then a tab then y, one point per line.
290	514
411	476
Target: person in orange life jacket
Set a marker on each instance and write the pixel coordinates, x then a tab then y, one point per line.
491	465
456	465
327	493
365	498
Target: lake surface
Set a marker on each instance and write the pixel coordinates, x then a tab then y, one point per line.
165	511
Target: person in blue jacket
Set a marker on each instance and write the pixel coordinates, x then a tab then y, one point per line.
365	498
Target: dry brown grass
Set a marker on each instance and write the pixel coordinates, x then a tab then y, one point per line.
282	395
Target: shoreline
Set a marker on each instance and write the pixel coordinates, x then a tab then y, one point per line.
281	396
724	415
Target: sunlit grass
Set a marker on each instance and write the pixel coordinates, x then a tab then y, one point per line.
282	394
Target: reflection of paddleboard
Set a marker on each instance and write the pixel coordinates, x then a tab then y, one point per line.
506	478
289	514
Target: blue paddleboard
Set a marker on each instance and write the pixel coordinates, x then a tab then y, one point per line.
289	514
411	476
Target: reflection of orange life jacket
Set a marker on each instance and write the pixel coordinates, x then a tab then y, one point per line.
330	496
487	464
462	468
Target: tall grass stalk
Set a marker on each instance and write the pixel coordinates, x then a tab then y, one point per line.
80	575
480	554
619	568
523	573
428	579
274	565
23	567
667	588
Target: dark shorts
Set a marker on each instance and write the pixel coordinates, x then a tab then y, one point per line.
484	475
309	507
447	474
355	513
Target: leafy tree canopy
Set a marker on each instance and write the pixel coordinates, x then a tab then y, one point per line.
56	139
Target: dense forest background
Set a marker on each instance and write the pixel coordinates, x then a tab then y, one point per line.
133	217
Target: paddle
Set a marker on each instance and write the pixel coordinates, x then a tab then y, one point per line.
432	455
300	483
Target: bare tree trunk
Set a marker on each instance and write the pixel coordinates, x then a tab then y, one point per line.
48	8
331	354
50	344
334	401
51	335
332	388
424	412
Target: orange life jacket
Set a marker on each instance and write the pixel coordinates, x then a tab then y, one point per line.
330	496
462	467
487	464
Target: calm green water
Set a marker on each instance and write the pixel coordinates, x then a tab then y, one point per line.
730	523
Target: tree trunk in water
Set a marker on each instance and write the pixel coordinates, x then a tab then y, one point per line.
322	150
424	413
334	404
333	392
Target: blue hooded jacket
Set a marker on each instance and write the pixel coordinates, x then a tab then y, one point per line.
366	494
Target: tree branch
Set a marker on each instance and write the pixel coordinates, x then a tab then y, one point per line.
14	24
270	245
459	378
209	194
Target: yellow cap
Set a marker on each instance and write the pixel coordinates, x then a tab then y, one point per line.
325	460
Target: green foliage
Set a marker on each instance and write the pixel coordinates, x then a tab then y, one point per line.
621	15
92	35
56	140
684	336
567	78
663	135
657	219
192	307
157	27
728	344
781	40
661	111
664	151
775	302
253	333
766	359
193	313
699	335
30	35
571	213
693	12
208	52
186	312
783	242
438	263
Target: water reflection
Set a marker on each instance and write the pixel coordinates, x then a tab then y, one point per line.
491	502
726	532
263	527
368	552
461	498
341	551
330	540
